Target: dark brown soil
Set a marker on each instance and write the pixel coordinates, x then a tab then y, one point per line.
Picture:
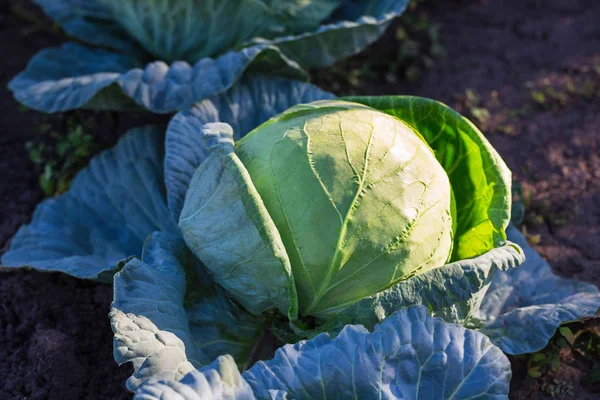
55	340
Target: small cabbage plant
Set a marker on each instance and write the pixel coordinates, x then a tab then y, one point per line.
166	55
280	243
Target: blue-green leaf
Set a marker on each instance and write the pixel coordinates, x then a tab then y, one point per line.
168	317
74	76
164	88
154	335
410	355
89	21
219	381
112	206
352	28
524	307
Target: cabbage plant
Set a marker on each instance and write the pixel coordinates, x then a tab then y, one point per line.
276	241
166	55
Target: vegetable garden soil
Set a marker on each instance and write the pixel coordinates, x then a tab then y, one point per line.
535	68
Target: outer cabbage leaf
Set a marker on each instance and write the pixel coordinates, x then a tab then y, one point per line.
161	88
479	177
104	218
152	351
219	381
74	76
91	22
168	317
524	307
410	355
245	106
452	292
352	28
252	265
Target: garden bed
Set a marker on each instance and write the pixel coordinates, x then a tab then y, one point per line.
526	72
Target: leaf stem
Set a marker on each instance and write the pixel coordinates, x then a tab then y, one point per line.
265	340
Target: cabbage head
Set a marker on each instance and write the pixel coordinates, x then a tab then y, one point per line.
358	197
348	199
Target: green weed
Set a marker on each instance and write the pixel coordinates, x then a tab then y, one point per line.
60	155
474	109
582	341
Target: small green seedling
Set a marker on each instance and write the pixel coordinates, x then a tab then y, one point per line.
474	109
550	98
583	342
558	388
60	157
547	359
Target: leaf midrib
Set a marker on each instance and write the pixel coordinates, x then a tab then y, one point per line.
343	229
